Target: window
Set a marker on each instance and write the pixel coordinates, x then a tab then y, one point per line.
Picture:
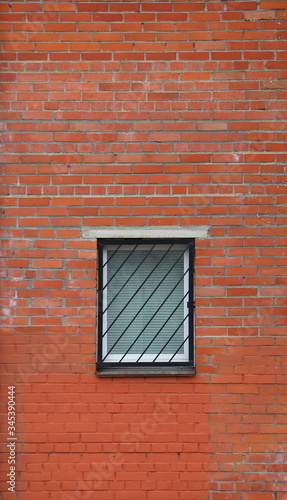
145	306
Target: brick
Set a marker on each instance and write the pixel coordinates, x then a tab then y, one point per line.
48	263
257	496
276	4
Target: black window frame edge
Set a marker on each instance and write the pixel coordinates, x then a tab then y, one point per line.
105	369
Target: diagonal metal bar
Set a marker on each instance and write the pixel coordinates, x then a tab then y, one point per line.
131	300
178	349
121	266
145	303
108	260
181	323
161	328
129	278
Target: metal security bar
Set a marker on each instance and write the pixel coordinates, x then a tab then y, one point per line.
145	304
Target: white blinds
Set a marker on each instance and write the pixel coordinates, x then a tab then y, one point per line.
145	302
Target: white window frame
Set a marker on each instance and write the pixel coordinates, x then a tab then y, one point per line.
130	358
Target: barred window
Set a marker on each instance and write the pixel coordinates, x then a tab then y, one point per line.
145	307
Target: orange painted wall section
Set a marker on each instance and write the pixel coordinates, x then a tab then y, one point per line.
144	114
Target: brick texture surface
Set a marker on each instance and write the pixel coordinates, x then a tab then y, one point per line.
144	113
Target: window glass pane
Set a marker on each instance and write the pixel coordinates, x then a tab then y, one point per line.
151	304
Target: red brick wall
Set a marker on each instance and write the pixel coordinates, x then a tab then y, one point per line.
145	113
